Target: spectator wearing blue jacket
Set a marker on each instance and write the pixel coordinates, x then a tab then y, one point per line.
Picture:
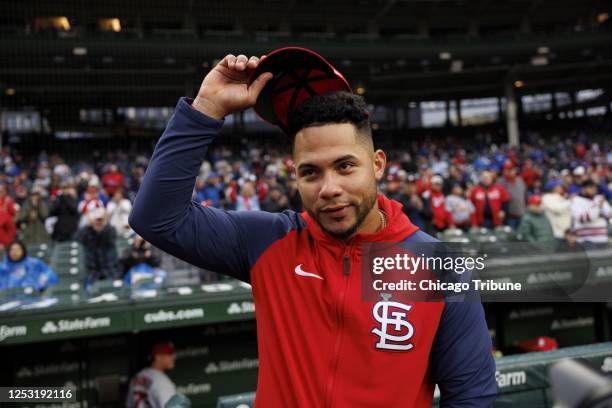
18	270
210	193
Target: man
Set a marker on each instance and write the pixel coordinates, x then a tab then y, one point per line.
92	199
412	204
490	201
151	387
276	200
557	208
568	180
580	176
140	252
441	218
295	201
455	177
517	190
212	191
31	219
118	211
112	180
393	186
8	228
459	207
530	173
247	199
65	208
318	342
98	239
534	226
590	213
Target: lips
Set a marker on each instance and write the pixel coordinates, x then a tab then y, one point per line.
336	211
332	208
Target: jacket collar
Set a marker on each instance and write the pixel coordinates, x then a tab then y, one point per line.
398	226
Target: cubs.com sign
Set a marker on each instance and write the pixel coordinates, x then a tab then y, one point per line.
161	316
12	331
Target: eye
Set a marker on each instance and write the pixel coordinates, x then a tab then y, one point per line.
346	166
308	172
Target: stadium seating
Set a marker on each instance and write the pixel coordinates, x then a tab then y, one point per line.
522	380
482	235
66	259
502	233
40	251
453	235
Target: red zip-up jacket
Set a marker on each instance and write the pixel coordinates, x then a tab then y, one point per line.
441	217
497	197
320	344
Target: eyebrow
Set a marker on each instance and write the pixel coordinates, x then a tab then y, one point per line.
338	160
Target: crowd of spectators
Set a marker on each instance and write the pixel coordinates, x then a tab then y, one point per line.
549	188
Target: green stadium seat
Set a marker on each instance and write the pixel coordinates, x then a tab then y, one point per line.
484	238
460	239
69	298
504	233
12	292
108	286
452	233
66	286
480	235
38	247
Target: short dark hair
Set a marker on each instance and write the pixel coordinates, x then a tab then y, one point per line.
331	108
588	183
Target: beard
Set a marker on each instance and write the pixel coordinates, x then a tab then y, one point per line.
363	209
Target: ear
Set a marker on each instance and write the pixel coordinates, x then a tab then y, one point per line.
379	164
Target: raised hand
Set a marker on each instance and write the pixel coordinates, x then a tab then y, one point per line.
224	90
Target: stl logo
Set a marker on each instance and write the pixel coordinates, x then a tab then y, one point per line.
395	331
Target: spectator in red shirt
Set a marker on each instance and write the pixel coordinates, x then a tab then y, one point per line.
231	194
459	157
424	181
490	200
530	173
580	150
8	229
441	218
113	180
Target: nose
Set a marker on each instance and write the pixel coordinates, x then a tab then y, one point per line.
331	187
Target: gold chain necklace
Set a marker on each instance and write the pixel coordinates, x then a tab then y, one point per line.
383	219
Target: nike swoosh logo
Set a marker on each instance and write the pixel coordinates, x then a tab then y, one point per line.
299	271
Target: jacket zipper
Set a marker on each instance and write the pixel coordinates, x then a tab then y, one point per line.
329	399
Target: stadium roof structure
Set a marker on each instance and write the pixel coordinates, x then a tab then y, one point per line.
395	51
